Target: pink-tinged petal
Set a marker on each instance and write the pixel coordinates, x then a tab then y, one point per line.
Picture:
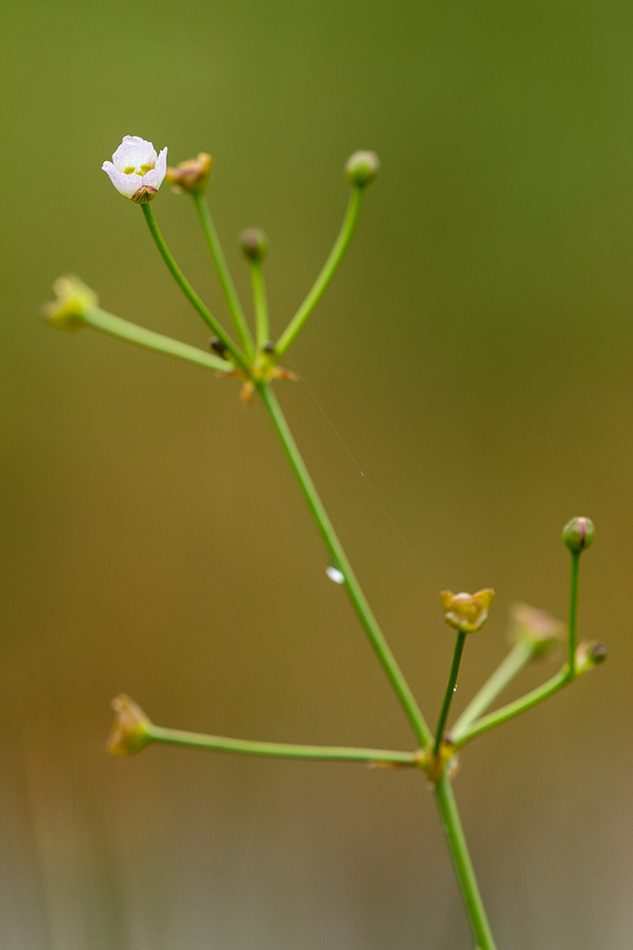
134	151
154	177
125	184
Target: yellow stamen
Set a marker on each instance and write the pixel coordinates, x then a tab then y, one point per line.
129	170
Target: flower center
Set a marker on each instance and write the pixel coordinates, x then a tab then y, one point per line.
142	170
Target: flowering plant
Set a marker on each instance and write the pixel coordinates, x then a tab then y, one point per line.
253	357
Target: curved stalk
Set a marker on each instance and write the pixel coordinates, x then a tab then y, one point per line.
327	272
499	716
188	290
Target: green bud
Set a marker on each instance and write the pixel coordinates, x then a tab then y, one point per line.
254	244
590	654
578	534
73	299
361	168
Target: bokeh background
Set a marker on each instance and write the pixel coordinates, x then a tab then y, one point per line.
466	387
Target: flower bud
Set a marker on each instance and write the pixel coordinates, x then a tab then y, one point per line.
536	628
254	244
131	727
467	612
361	168
73	299
590	654
578	534
192	176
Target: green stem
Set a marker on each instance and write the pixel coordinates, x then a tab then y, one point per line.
572	622
327	272
333	545
519	706
188	290
282	750
518	657
217	255
450	690
124	330
261	304
458	848
460	736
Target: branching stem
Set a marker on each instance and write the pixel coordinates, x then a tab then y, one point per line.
519	656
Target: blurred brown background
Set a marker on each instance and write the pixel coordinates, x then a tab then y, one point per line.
475	356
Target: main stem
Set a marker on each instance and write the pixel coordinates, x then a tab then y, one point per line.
443	791
464	870
335	549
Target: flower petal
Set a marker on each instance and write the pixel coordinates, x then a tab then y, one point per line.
154	177
134	151
125	184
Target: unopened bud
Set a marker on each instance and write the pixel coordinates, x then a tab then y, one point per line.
467	612
578	534
131	727
73	299
536	628
254	244
361	168
589	655
192	176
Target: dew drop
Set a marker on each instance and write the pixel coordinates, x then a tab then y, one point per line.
454	689
335	573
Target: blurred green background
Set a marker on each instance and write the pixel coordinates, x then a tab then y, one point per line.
474	355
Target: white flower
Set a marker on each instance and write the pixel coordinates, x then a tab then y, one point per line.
136	170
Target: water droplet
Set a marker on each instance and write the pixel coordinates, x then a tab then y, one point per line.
454	689
335	573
